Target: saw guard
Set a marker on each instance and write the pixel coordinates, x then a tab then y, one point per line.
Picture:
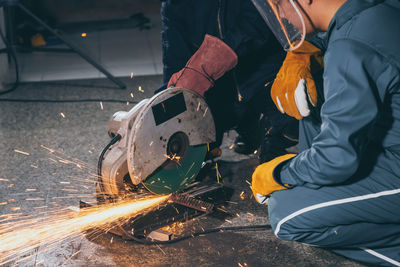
182	110
114	166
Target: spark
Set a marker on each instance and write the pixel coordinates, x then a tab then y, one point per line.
132	95
191	166
218	174
132	75
26	235
151	143
47	148
255	151
34	199
221	209
205	112
21	152
242	197
3	203
248	182
73	255
101	105
140	89
231	146
30	190
4	180
34	166
173	157
62	115
11	185
83	34
161	249
127	103
198	106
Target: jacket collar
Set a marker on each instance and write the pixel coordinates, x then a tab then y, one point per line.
350	9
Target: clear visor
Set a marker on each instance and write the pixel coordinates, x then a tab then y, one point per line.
285	21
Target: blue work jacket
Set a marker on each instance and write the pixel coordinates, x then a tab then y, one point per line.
359	134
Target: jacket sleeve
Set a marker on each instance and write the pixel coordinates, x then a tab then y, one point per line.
175	39
352	100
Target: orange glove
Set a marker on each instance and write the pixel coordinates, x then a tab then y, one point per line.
263	182
210	62
294	82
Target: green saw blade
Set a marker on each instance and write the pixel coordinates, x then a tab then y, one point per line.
165	181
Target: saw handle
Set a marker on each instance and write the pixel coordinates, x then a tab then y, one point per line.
100	162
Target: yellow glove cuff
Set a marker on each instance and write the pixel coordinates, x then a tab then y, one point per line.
263	181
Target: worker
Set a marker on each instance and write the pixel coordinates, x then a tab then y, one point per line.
212	33
342	191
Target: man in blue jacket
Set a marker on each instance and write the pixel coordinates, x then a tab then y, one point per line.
342	191
240	94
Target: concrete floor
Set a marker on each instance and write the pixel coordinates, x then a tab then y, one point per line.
82	134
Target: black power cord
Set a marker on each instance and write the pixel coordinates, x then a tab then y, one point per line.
13	56
101	158
206	231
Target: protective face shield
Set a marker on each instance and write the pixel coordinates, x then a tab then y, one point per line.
285	21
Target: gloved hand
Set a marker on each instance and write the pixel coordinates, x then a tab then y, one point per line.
211	61
294	82
263	182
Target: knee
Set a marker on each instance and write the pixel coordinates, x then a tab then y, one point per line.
285	225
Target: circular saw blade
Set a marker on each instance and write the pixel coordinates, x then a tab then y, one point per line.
169	180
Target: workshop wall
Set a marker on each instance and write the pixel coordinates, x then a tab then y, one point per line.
62	11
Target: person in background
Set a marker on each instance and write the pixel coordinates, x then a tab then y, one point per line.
342	191
200	41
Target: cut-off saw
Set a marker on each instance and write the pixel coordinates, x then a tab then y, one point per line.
159	146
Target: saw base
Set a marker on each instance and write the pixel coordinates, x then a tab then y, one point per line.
142	225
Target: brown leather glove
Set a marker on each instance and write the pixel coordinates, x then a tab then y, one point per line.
212	60
294	83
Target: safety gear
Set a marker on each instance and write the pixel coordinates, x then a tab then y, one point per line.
285	21
294	86
263	182
210	62
346	177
